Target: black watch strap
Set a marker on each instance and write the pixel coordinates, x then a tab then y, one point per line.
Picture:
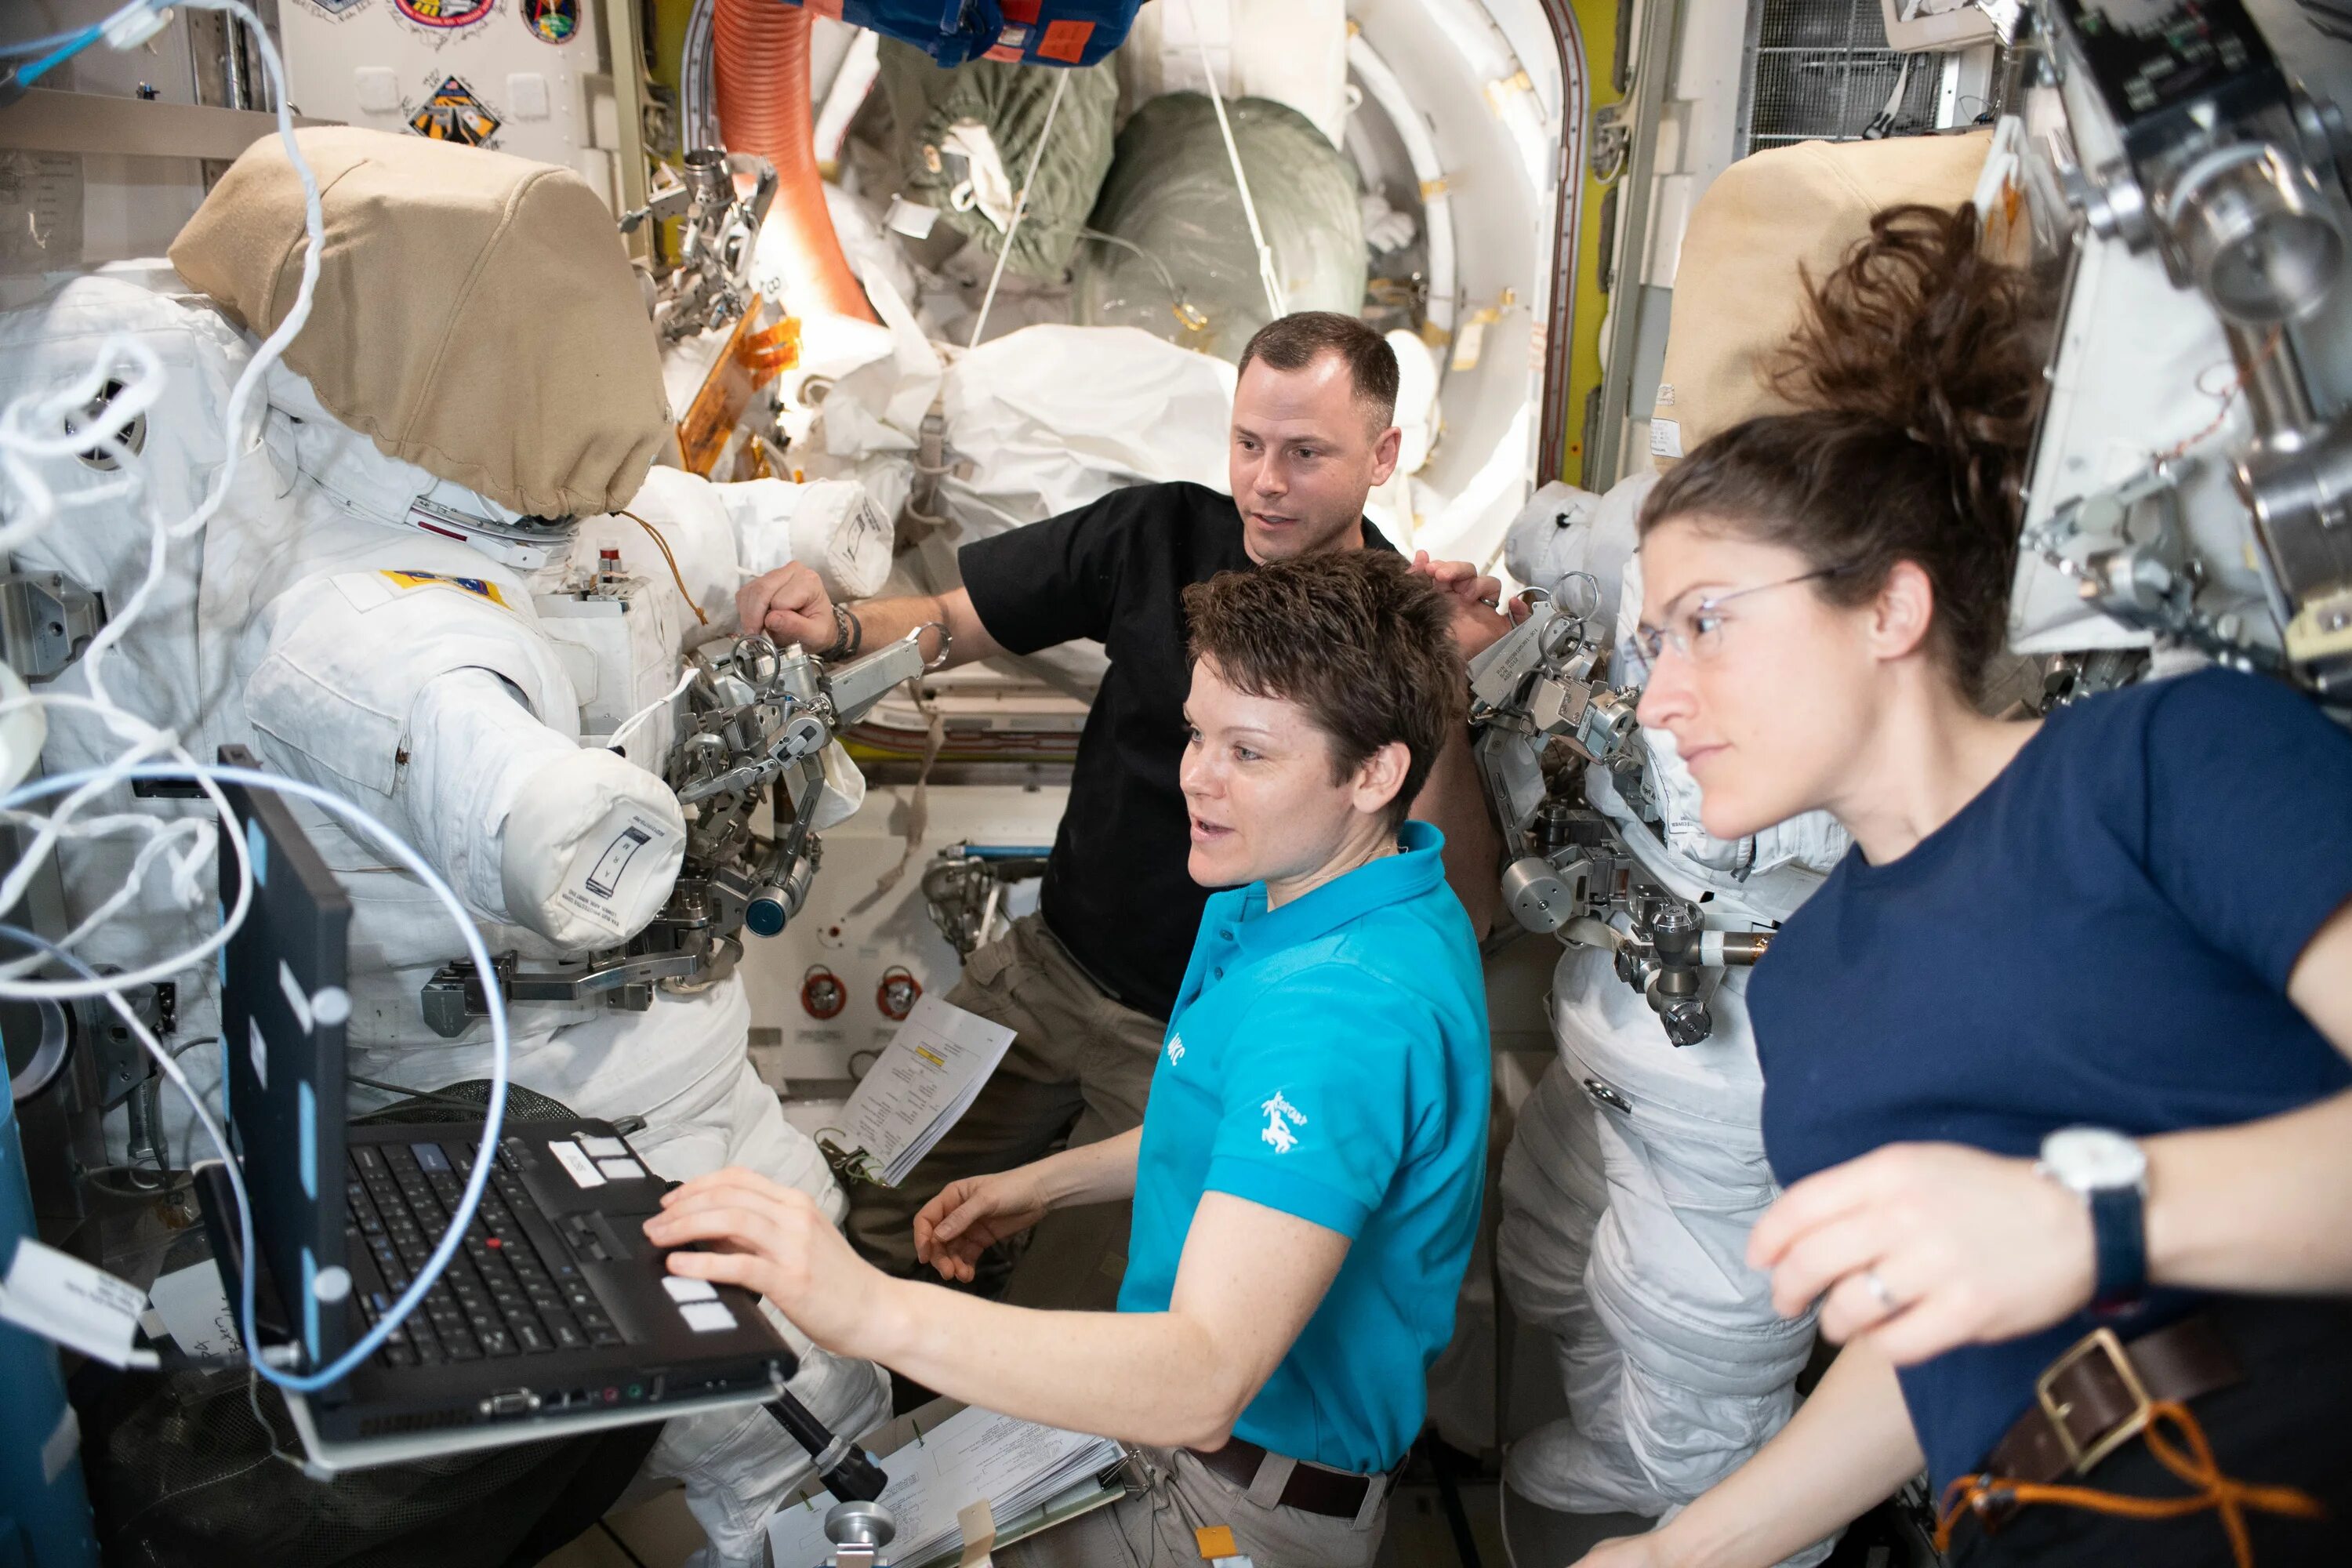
2119	1230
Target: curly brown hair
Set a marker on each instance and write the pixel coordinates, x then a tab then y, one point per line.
1356	638
1920	359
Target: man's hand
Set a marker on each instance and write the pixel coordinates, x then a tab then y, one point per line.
1477	623
789	606
1921	1247
775	1240
1623	1552
974	1214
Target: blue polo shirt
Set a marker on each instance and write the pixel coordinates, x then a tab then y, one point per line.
1329	1060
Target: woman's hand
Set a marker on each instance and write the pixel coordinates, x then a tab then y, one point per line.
974	1214
1925	1247
775	1240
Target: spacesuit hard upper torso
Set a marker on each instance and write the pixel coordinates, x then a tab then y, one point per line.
415	676
1637	1168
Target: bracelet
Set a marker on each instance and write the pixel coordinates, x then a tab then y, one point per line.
849	634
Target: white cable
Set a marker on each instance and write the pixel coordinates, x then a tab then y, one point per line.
50	425
629	725
43	426
161	969
1267	278
1020	210
494	1113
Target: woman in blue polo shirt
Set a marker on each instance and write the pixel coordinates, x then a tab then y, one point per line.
2055	1062
1308	1175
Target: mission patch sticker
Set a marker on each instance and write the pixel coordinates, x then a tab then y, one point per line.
551	21
445	13
452	114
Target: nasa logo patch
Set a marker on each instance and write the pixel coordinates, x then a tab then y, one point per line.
444	13
551	21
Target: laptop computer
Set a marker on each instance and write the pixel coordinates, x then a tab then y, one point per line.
555	1317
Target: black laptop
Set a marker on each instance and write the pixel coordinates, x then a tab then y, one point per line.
555	1316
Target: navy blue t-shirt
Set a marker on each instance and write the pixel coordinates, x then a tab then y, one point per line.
2102	937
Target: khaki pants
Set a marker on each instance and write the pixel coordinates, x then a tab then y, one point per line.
1079	1065
1154	1528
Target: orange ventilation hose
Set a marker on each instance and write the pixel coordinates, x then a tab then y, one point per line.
760	68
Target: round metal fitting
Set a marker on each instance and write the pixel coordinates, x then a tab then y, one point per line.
2257	239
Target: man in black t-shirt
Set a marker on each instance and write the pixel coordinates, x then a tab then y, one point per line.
1087	983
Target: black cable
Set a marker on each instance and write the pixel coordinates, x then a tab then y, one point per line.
614	1536
1449	1494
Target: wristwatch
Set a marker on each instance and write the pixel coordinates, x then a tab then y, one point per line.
2110	1171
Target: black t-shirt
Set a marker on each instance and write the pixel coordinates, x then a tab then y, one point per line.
1116	893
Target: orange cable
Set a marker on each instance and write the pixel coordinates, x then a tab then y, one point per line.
2198	1468
676	575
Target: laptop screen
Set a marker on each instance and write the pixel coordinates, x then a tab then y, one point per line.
284	1005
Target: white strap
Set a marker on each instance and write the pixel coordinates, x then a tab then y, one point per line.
1266	276
1021	208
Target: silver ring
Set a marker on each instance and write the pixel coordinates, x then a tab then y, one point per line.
1877	1287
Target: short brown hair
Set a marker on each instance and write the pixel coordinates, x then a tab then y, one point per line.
1296	341
1354	637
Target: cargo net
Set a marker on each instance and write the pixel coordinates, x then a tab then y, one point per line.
1820	70
203	1466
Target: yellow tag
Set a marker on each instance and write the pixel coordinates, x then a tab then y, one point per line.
474	585
1216	1540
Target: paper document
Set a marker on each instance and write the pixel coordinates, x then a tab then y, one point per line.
920	1087
1016	1467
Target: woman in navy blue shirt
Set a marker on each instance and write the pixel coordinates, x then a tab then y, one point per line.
2055	1064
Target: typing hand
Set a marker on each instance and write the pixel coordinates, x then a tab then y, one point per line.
1925	1247
791	606
972	1215
1623	1552
1477	623
775	1240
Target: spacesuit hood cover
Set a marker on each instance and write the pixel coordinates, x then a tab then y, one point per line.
476	315
1765	224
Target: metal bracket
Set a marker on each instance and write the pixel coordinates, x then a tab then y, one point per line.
45	622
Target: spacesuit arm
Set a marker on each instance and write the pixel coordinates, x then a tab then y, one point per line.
1844	1451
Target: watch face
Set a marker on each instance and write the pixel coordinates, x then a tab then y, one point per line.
2092	1159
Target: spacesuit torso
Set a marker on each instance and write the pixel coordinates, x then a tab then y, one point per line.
1637	1168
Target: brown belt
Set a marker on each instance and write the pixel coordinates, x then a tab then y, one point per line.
1335	1494
2096	1397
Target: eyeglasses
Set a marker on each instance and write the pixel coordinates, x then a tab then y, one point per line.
1697	633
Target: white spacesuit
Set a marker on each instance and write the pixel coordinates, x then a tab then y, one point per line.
1638	1166
330	618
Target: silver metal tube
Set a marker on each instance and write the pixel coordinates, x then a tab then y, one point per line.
2271	373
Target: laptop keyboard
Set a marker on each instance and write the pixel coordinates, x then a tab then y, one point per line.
502	1295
